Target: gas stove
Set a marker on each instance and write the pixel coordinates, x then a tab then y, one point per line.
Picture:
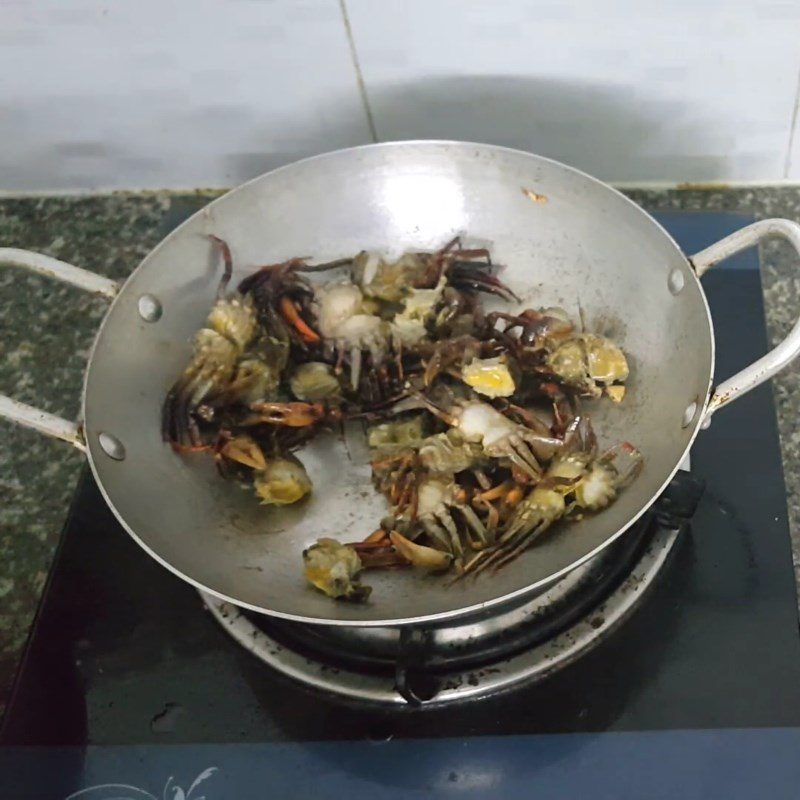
481	654
665	666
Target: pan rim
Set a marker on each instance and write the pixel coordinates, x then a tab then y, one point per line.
473	609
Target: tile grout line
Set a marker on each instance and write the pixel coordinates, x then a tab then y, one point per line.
362	87
793	127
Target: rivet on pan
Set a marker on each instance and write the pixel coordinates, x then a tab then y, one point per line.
688	415
676	281
112	446
149	308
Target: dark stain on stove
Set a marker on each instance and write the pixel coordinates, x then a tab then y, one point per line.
597	622
632	583
166	720
744	535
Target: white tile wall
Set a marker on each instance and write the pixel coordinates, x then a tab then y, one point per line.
149	93
625	90
793	157
182	93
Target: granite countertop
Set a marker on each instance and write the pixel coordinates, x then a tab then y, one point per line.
46	330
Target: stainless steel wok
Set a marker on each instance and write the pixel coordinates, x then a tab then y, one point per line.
586	244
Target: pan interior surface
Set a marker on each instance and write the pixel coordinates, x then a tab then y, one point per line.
586	246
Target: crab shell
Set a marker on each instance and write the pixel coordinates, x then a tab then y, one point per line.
235	319
333	568
592	364
282	482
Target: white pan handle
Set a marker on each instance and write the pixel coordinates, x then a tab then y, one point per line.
21	413
777	358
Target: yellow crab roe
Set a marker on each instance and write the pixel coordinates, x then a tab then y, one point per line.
489	377
281	483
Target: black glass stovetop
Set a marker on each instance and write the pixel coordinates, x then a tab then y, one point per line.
123	652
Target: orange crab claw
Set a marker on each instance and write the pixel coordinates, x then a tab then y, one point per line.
292	415
244	450
292	316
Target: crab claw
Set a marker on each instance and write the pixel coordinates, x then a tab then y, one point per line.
428	558
244	450
466	275
292	415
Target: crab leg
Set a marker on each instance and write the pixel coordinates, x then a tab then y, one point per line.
494	494
355	367
437	532
525	460
481	282
227	260
482	478
267	273
376	536
531	420
474	523
475	252
521	546
324	267
446	520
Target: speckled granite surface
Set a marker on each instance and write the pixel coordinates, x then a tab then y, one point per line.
46	330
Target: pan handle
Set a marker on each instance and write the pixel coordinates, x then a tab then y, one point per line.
777	358
21	413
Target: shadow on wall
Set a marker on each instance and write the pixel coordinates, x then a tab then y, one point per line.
164	142
608	131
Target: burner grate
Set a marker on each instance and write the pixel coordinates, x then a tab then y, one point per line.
482	653
417	666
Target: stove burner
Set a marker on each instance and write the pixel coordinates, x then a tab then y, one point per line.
471	658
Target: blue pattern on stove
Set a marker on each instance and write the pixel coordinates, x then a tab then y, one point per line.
731	764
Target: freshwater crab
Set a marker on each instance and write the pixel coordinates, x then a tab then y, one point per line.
577	481
465	269
438	496
283	298
278	480
230	327
349	327
428	500
589	364
534	328
333	568
499	436
449	452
